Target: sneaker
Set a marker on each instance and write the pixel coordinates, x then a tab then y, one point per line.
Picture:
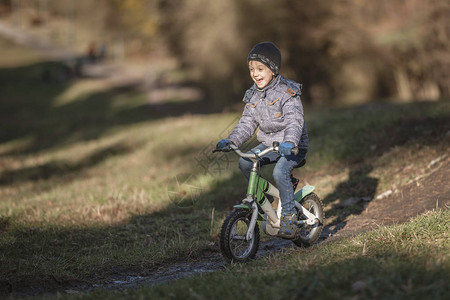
288	226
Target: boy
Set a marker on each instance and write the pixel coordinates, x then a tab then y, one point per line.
273	104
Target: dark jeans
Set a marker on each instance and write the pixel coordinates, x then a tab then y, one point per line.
281	174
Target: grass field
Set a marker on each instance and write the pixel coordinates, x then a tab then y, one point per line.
91	182
408	261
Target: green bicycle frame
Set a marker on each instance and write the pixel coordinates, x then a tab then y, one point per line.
257	186
255	190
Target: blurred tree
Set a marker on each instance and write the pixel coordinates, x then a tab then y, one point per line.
342	51
137	17
206	37
412	39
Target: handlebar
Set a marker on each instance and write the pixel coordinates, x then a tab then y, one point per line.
274	148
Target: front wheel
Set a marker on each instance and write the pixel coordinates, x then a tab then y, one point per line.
309	234
233	243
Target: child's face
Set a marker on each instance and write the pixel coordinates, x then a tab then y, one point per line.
260	74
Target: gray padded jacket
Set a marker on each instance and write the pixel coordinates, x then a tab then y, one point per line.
277	110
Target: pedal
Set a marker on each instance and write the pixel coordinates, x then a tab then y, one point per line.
295	182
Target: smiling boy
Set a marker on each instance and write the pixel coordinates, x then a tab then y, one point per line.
273	104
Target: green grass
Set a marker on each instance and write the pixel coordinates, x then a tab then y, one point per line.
86	168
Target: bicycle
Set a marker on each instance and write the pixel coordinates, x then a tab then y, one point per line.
240	237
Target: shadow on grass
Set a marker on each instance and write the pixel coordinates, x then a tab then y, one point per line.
28	109
62	258
417	132
352	197
58	168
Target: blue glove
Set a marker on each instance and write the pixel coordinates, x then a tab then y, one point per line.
285	148
223	145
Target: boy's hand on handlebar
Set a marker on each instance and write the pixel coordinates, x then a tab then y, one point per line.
285	148
223	145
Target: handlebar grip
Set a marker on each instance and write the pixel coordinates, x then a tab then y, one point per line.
222	150
294	151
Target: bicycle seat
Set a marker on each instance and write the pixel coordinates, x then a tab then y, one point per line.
301	164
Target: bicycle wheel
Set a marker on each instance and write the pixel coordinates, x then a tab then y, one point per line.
233	243
309	234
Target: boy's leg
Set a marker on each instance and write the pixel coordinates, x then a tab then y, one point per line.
282	177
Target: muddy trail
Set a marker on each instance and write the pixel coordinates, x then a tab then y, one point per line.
209	262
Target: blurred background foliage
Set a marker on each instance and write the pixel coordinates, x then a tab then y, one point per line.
343	51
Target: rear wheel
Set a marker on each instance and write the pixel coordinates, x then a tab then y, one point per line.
233	243
309	234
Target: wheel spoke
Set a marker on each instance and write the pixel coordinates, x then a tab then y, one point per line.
306	231
239	245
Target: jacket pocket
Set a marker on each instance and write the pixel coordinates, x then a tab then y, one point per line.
270	103
277	116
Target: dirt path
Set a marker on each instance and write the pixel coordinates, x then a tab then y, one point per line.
208	263
422	194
